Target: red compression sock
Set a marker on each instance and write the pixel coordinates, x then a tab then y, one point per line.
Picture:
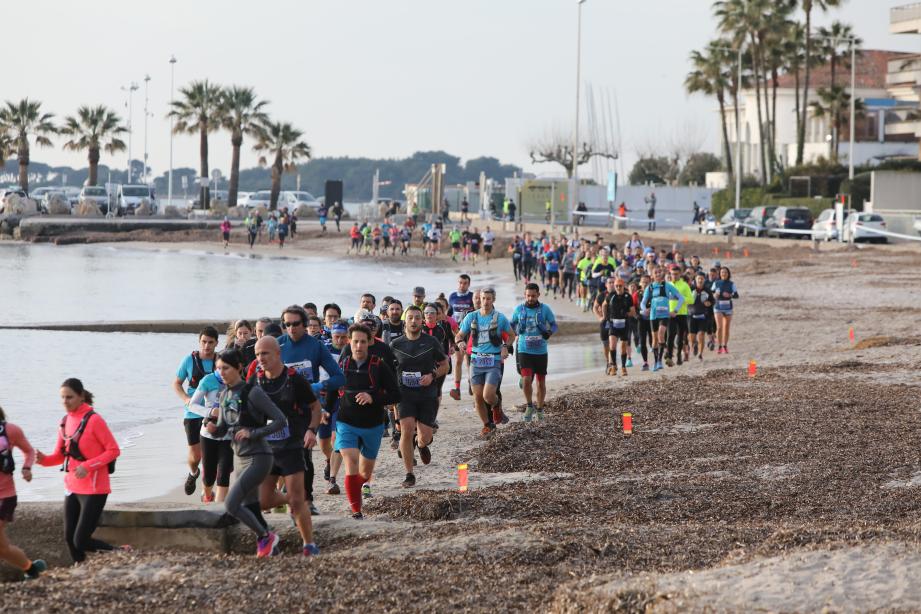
353	491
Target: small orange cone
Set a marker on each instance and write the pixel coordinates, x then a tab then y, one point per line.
851	335
684	240
462	477
627	422
728	255
854	263
745	252
752	368
716	251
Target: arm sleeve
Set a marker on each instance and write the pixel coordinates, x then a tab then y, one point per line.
18	439
259	401
735	291
552	319
56	457
197	404
336	378
100	430
515	316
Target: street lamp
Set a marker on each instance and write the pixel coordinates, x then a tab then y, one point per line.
146	115
738	128
574	189
169	181
130	89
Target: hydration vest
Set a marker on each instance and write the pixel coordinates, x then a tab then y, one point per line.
284	397
541	323
663	293
494	337
70	446
7	464
198	369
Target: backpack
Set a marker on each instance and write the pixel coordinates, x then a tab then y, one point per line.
541	323
494	337
198	370
70	446
663	293
7	464
374	362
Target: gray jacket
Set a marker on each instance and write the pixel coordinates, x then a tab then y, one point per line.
258	406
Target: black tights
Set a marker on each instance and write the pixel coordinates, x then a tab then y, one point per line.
217	461
81	517
677	329
645	338
308	474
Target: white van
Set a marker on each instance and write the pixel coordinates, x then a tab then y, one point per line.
129	197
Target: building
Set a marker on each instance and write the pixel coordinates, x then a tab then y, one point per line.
903	77
874	141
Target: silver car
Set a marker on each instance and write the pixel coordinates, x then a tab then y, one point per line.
97	195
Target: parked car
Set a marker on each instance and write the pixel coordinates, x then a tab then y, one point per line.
789	218
129	197
731	217
73	195
294	199
856	224
46	200
707	225
257	199
221	195
96	194
825	227
756	219
917	225
38	194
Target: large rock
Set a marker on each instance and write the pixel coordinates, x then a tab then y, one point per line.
171	212
88	208
144	209
218	208
14	204
236	213
59	205
305	211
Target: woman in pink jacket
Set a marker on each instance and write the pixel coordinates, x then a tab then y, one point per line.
11	436
86	448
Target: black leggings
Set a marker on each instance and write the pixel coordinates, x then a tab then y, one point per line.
645	338
569	283
217	461
677	328
308	474
81	517
252	238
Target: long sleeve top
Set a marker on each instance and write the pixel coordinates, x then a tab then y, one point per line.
97	445
13	437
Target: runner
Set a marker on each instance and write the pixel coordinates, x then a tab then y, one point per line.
392	327
485	328
87	449
355	236
552	266
283	224
11	436
421	361
461	303
475	240
322	212
326	432
657	302
725	290
291	393
533	323
489	238
583	268
216	452
618	307
699	311
568	268
436	325
225	231
191	371
370	386
678	326
515	249
248	416
337	214
599	307
455	238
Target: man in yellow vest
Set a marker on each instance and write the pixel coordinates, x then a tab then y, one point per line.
678	326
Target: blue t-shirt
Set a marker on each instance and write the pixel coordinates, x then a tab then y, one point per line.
461	304
552	262
529	323
184	373
307	356
482	344
659	307
724	291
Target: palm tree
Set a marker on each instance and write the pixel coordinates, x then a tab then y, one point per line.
94	129
829	104
793	53
836	38
196	112
808	6
709	76
282	140
20	121
241	114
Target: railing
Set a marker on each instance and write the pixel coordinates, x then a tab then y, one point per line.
908	12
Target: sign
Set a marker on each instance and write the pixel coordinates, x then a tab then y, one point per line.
612	186
185	181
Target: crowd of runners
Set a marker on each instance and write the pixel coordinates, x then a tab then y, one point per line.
261	396
466	242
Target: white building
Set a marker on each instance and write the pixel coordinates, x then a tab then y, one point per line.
904	74
873	141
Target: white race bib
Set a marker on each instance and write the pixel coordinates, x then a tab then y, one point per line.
484	360
410	379
304	368
532	342
618	323
723	305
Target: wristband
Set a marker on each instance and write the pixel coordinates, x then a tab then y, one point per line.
312	430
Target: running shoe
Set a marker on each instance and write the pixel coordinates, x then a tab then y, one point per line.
333	488
265	546
455	393
190	483
358	516
701	355
623	371
366	491
725	350
629	362
312	549
655	366
612	370
669	362
504	417
426	455
711	345
529	413
207	499
645	366
38	567
395	443
410	481
313	509
487	430
540	414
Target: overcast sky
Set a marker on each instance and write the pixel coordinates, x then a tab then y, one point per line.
383	78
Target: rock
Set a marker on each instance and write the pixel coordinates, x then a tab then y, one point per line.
58	205
88	209
236	213
14	204
218	208
305	211
261	211
144	209
171	212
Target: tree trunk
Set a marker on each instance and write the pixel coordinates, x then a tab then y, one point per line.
796	83
727	152
775	79
756	73
801	140
93	159
277	169
834	112
236	142
23	155
205	193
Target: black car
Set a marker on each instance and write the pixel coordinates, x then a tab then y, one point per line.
789	218
754	223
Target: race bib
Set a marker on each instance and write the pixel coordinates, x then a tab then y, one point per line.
483	338
410	379
618	323
304	368
699	316
723	305
484	360
662	311
532	342
280	435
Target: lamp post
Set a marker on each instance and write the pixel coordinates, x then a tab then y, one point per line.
738	194
146	115
130	89
169	179
574	189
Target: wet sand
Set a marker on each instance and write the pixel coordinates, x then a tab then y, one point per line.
805	476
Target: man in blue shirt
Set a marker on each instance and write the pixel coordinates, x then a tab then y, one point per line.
461	303
307	355
192	370
491	339
534	323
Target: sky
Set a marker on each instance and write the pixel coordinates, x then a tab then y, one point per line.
385	78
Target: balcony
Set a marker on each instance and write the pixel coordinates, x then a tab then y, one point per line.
905	19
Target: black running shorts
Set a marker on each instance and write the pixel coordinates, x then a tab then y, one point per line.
192	430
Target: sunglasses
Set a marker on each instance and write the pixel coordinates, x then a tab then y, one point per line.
292	324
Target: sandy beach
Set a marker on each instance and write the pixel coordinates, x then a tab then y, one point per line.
795	490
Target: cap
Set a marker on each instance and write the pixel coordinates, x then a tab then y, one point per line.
363	315
418	291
